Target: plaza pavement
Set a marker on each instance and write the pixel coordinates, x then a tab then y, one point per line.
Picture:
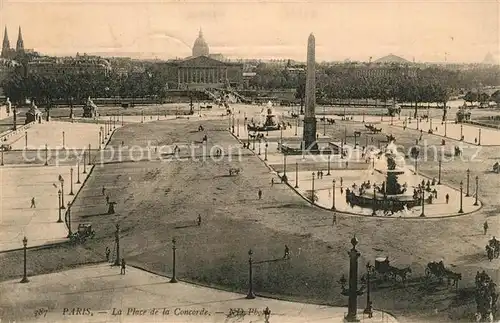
20	183
103	292
488	136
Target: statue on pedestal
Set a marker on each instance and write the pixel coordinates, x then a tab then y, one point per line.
33	114
90	109
8	106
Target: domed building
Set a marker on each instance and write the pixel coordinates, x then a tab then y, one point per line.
203	70
200	47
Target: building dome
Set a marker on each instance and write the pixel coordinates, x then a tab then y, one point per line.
200	47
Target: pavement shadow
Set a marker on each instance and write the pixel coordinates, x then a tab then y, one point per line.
473	258
93	215
183	226
269	261
226	175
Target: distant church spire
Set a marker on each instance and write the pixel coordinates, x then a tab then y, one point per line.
5	44
200	34
20	42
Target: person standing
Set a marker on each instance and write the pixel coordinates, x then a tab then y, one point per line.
447	197
122	271
103	190
33	205
485	227
108	252
272	182
287	253
199	219
260	194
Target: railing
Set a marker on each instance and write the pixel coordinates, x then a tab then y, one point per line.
4	138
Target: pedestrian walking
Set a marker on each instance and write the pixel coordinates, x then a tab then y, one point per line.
485	227
103	190
334	222
108	252
122	271
33	205
199	219
341	190
287	253
260	194
341	181
447	197
272	182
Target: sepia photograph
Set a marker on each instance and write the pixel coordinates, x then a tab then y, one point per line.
257	161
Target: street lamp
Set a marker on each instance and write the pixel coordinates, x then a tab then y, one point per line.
468	179
61	180
445	123
238	128
173	280
479	138
439	172
328	165
250	294
477	191
63	141
78	171
25	277
265	152
260	141
89	155
70	233
333	196
461	197
374	201
296	174
46	155
284	167
461	132
117	242
2	148
312	189
423	203
369	309
71	181
59	194
25	140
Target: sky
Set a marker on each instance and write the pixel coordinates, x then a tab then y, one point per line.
425	31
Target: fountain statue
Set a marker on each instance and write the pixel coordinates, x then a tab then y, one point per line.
271	123
33	114
393	193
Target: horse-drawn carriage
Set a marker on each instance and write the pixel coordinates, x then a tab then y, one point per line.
82	234
384	268
493	249
438	270
234	171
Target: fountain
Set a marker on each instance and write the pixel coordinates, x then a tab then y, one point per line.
390	195
270	124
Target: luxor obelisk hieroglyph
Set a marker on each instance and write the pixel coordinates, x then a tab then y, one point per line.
309	135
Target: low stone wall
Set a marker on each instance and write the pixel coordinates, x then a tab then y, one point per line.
14	135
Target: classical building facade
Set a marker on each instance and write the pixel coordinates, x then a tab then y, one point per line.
69	65
203	70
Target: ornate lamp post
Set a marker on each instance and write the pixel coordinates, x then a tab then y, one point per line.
61	180
284	166
70	233
265	152
46	155
122	119
296	125
59	194
477	191
296	174
439	172
25	140
25	276
423	202
238	128
84	163
333	195
173	280
63	141
78	172
328	165
100	136
352	292
479	138
461	132
250	294
2	148
281	137
117	242
468	179
374	201
90	163
260	141
445	123
461	197
369	309
71	181
312	189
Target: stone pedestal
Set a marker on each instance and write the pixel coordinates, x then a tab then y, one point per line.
309	136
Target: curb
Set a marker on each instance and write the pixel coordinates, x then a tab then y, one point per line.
370	216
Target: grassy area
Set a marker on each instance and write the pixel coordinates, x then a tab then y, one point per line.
159	201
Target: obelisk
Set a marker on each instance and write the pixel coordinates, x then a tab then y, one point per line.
309	135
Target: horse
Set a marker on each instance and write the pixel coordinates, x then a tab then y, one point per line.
453	278
490	252
401	273
436	269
